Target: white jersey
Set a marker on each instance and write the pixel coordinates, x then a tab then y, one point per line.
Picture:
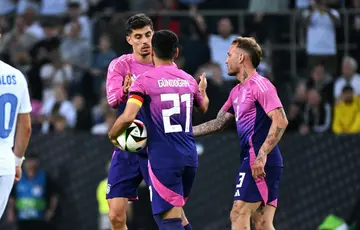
14	99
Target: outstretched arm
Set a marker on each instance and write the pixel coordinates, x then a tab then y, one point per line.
219	123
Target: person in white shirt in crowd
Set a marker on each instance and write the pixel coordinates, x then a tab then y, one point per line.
58	105
349	76
321	23
219	43
74	10
15	128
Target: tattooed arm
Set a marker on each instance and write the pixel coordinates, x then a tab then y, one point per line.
219	123
277	128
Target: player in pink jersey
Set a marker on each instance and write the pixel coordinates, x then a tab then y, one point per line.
127	170
167	95
261	122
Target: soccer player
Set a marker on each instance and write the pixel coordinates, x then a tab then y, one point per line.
127	170
15	108
167	95
261	122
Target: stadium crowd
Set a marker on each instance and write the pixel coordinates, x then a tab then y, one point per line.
64	48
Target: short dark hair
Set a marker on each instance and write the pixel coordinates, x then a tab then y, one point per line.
164	44
138	21
250	45
347	88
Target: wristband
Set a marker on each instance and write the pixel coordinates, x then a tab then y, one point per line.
19	161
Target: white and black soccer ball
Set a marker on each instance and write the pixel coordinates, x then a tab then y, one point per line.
134	139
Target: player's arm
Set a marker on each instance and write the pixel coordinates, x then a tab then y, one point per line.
221	121
267	97
23	127
132	108
118	82
201	98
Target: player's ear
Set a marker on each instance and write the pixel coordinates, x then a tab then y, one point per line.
128	39
176	55
241	58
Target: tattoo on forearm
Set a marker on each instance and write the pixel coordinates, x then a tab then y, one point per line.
221	121
275	133
278	132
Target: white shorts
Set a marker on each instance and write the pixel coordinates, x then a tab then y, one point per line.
6	184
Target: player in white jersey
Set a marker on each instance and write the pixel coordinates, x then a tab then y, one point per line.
15	128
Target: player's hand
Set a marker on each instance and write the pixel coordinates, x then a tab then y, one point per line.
116	144
203	82
258	168
127	83
18	173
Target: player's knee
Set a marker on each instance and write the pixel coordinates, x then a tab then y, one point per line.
117	218
261	224
238	213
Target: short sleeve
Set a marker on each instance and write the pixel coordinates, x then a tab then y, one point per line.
25	105
114	82
265	93
137	92
198	98
138	86
227	107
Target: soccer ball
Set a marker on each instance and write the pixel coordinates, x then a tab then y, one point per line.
134	138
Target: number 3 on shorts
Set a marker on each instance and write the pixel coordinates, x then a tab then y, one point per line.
241	179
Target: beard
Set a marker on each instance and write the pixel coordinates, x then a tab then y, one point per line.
232	73
145	54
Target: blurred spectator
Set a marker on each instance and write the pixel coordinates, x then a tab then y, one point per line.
168	22
102	58
76	52
53	73
83	114
34	198
317	115
17	43
103	128
194	41
349	76
58	123
347	113
32	25
74	10
321	35
58	105
103	207
216	91
322	82
24	5
297	108
219	44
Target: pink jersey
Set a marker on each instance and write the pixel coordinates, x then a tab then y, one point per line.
168	95
117	71
250	103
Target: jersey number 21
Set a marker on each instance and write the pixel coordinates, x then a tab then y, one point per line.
167	113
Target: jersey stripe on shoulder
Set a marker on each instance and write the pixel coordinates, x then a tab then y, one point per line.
122	58
259	81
